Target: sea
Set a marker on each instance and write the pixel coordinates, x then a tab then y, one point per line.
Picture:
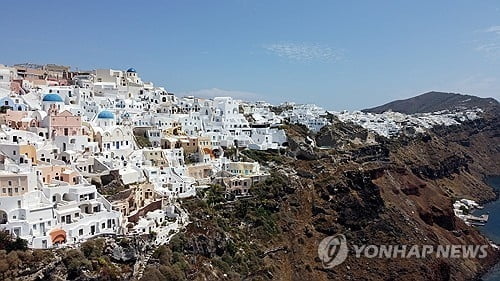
492	228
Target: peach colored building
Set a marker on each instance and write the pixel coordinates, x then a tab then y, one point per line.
13	184
60	173
140	196
188	143
200	171
65	124
17	120
16	87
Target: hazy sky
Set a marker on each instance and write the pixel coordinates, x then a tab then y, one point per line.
336	54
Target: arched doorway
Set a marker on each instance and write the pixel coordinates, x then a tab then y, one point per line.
58	236
56	198
66	197
3	217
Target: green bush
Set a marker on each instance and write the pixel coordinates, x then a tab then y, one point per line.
75	263
93	248
177	243
163	254
9	243
215	194
124	242
174	273
152	273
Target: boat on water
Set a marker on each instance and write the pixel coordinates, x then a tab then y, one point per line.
475	220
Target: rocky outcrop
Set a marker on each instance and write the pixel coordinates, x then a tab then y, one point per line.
123	252
344	136
445	168
301	144
435	215
209	247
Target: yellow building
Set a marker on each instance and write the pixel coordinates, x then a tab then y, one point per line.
30	151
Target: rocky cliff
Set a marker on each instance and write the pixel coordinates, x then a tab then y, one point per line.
345	180
371	189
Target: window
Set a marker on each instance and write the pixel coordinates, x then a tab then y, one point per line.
80	232
10	183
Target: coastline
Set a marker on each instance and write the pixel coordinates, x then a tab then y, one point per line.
496	190
492	272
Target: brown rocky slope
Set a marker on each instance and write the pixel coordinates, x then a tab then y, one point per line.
373	190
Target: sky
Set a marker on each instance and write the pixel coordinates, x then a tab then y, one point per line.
337	54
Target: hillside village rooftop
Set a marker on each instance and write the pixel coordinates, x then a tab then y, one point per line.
65	135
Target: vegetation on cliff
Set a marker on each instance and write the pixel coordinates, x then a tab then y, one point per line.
225	239
373	190
343	180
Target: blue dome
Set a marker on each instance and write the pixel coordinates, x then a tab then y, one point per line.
52	98
106	115
131	69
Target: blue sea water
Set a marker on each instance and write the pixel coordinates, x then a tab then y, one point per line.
492	228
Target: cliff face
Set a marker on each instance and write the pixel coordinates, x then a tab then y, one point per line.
401	192
372	190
